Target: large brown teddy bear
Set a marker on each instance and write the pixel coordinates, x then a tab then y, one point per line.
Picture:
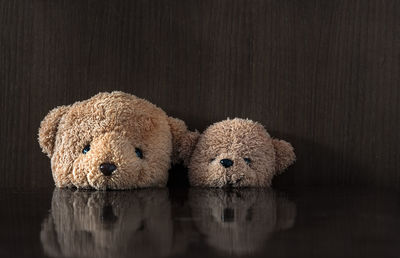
113	141
238	153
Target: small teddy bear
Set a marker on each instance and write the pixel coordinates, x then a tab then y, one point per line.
113	141
238	153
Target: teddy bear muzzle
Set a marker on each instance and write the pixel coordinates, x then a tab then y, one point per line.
232	173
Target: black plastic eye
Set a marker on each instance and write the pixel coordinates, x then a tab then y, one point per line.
247	160
86	149
139	153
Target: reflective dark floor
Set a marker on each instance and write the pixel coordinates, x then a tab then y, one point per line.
173	222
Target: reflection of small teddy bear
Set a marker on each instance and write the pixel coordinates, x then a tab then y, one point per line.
239	221
238	153
108	224
113	141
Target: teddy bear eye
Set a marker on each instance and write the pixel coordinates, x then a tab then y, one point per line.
139	153
247	160
86	149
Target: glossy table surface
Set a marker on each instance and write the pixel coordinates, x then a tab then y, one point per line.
192	222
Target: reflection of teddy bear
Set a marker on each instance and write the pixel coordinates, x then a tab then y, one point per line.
108	224
239	221
113	141
238	152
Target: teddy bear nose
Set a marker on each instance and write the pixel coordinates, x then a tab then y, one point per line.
107	168
226	162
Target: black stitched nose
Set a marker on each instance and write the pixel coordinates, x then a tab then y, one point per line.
226	162
107	168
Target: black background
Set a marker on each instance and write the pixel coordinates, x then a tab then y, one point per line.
323	75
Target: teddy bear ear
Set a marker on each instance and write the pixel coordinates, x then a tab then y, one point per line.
49	127
284	155
183	141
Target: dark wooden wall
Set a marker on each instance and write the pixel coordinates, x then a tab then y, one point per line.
323	75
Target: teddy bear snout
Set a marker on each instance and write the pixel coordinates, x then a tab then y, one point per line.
107	168
226	162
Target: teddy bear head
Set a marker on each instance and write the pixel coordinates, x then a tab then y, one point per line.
238	153
113	141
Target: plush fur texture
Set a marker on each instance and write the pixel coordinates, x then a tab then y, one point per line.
113	125
255	155
239	221
108	224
